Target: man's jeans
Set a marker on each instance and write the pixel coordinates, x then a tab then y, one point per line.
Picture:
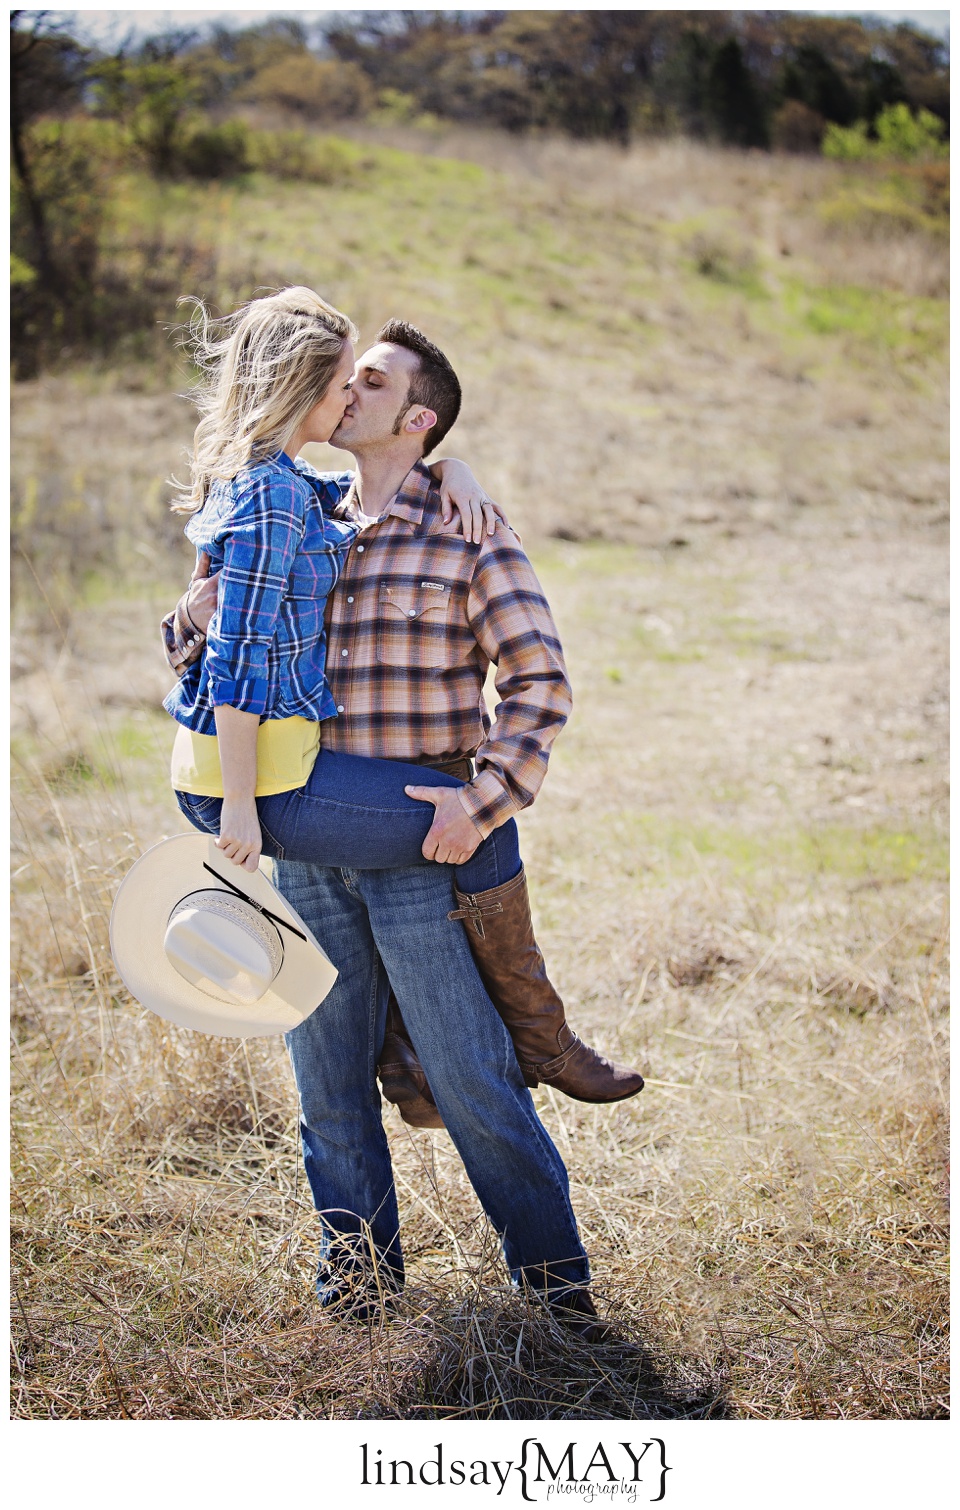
378	924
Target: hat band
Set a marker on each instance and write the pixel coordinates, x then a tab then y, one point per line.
273	916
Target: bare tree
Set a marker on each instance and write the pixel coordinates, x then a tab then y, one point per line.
47	69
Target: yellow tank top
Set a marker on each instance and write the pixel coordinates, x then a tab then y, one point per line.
286	751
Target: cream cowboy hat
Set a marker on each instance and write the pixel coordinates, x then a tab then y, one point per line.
208	945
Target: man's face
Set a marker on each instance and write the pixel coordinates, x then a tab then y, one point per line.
378	398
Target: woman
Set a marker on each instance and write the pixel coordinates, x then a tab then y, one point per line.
248	748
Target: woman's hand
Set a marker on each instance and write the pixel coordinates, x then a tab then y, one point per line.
240	837
460	490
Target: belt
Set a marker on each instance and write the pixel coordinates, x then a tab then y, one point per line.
460	766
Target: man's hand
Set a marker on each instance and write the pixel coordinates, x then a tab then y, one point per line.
452	838
183	633
202	593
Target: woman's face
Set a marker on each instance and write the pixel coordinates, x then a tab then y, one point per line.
324	417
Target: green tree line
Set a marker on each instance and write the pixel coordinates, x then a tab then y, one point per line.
738	77
181	105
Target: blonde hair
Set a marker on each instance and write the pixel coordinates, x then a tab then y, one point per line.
263	367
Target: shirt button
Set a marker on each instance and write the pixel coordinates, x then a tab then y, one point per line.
343	652
359	548
339	707
349	600
413	613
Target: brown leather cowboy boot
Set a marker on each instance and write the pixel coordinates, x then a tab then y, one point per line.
508	957
402	1079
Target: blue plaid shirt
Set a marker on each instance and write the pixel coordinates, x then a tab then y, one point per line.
272	531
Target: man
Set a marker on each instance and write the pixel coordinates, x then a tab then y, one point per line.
418	615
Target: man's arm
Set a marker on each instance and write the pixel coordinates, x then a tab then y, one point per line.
513	625
183	631
511	620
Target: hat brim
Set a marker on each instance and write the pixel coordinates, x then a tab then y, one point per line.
163	876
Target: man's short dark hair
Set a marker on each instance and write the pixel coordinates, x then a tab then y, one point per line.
435	384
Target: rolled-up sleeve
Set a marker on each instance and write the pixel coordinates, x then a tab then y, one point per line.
513	625
265	530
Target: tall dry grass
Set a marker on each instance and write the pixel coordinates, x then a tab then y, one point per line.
738	860
766	1228
766	1222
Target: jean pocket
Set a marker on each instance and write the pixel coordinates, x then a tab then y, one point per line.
202	812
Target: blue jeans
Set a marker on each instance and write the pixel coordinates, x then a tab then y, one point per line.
353	811
375	924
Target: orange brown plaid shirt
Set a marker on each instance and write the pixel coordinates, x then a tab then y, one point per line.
417	617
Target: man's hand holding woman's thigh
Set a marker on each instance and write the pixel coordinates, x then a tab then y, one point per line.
452	838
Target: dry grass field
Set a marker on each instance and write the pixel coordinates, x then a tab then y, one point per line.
710	388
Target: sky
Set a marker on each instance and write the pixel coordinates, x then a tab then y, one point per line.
108	27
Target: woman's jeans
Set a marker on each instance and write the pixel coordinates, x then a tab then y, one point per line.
354	813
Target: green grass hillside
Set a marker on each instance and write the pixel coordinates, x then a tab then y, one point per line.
649	341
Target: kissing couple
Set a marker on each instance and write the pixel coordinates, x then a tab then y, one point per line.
331	653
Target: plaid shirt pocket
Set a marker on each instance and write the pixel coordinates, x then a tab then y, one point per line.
313	571
413	628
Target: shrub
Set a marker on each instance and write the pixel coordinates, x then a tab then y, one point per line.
317	90
899	136
301	156
216	151
397	108
848	143
908	137
154	100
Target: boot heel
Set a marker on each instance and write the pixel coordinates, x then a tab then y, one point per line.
402	1080
398	1089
